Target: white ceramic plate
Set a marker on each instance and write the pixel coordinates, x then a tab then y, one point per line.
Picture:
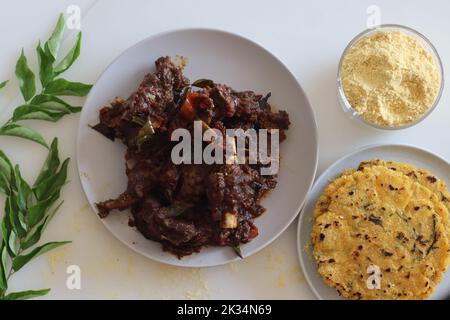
225	58
417	157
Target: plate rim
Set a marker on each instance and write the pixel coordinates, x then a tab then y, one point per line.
314	134
326	172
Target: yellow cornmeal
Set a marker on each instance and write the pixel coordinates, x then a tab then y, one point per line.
390	79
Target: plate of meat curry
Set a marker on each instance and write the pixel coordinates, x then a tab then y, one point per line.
196	212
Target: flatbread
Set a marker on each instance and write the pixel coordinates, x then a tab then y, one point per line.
380	219
422	176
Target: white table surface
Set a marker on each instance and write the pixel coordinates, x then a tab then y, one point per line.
308	36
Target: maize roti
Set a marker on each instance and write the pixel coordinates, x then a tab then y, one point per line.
438	187
380	218
422	176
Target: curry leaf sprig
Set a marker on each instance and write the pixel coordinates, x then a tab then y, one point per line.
28	210
45	105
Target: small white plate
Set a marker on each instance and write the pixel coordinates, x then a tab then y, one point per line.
224	58
402	153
